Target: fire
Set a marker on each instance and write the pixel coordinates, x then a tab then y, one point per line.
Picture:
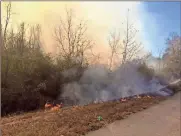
56	108
48	105
53	107
123	100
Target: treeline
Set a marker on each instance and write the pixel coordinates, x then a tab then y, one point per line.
29	76
172	56
25	67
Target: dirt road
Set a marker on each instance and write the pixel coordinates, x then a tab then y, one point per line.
163	119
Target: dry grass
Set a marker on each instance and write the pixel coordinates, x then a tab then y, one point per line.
73	121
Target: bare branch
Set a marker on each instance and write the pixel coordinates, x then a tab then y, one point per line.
128	45
172	56
71	37
114	44
131	47
8	16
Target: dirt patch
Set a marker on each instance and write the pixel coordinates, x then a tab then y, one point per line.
73	121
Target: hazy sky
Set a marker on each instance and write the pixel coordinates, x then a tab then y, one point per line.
154	20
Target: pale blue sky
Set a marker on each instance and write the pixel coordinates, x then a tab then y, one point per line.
159	19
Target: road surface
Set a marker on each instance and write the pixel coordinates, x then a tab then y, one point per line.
163	119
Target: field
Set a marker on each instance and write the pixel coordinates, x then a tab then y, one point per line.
74	121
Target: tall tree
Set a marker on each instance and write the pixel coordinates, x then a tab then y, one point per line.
114	44
130	46
172	55
126	43
71	38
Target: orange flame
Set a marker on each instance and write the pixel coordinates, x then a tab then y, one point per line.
48	105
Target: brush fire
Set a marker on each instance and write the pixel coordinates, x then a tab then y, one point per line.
53	106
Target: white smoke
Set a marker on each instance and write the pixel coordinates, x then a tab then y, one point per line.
100	84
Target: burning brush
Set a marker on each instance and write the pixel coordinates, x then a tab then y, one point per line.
53	106
123	100
48	105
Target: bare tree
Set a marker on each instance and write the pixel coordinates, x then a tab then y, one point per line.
130	46
7	20
114	44
71	37
19	50
172	55
160	62
34	37
126	46
4	37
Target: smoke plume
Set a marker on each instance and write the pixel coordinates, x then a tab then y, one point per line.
100	84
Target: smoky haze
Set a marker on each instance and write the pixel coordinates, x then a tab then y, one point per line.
105	17
99	84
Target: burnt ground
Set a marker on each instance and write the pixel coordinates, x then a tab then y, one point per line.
74	121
